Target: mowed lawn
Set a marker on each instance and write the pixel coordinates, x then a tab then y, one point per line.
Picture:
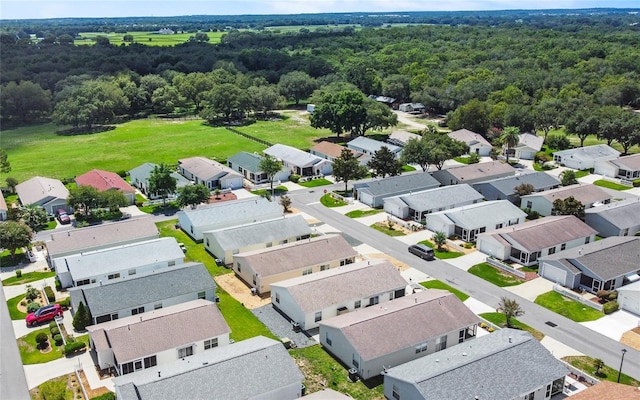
87	38
38	150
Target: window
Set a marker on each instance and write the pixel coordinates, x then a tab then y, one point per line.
357	304
132	271
587	240
202	295
327	338
421	348
210	343
269	244
172	263
114	276
355	361
239	267
530	396
82	282
150	362
547	392
343	262
236	251
324	267
461	336
127	368
191	229
277	297
318	316
625	232
157	306
395	392
552	250
374	300
136	311
441	343
255	278
185	352
207	242
498	226
563	246
307	271
529	204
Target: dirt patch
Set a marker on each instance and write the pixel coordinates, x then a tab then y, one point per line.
91	392
39	300
240	291
398	264
631	338
222	197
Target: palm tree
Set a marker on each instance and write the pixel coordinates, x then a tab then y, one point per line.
510	137
439	238
510	308
598	364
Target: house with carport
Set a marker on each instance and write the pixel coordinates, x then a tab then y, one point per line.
587	194
223	215
504	188
373	192
467	222
585	157
248	165
225	243
606	264
526	243
619	218
473	173
312	298
507	364
300	162
159	337
330	151
50	194
370	146
629	297
263	267
106	180
118	263
212	174
376	338
417	205
244	370
140	175
475	142
189	281
627	167
528	145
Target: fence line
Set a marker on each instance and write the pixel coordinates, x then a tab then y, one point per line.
505	267
76	370
255	139
559	289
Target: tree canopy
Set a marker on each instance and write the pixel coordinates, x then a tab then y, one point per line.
192	195
15	235
161	182
347	167
432	149
383	163
270	166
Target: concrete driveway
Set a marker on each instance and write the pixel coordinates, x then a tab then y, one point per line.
531	289
614	325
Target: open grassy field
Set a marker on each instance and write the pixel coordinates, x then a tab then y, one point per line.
148	38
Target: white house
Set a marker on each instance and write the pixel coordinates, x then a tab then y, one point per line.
504	188
400	138
369	146
528	145
627	167
373	192
331	151
312	298
585	157
248	164
3	207
412	108
476	142
629	298
473	173
300	162
587	194
620	218
210	173
159	337
140	175
50	194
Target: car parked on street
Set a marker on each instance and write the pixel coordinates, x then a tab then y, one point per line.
44	314
63	217
422	251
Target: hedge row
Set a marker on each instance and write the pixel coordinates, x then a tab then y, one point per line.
73	347
49	293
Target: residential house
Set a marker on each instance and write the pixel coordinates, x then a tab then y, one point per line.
473	173
400	138
248	164
629	298
369	146
587	194
210	173
190	281
528	145
300	162
50	194
331	151
508	364
585	157
526	243
100	237
373	339
608	390
223	215
504	188
467	222
140	178
413	108
417	205
244	370
607	264
627	167
159	337
3	208
225	243
261	268
312	298
373	192
389	101
118	263
104	181
476	142
620	218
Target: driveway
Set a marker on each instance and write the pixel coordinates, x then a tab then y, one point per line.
614	325
531	289
467	261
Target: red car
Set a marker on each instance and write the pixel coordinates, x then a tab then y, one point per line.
44	314
63	217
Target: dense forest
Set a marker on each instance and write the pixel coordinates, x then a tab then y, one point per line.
532	70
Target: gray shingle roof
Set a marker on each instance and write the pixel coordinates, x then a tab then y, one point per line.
292	256
248	161
402	323
228	211
239	371
477	171
486	214
39	188
539	181
398	184
260	232
337	286
129	293
292	155
442	197
144	170
631	162
530	140
625	213
502	365
371	145
206	169
468	137
588	153
584	193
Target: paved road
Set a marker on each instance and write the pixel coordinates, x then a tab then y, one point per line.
567	331
13	384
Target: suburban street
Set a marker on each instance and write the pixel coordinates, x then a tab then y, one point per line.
567	331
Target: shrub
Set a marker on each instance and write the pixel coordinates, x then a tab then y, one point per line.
55	330
65	303
49	293
542	157
58	284
32	293
18	273
122	173
636	183
52	325
105	396
41	339
82	318
73	347
558	142
58	339
610	307
294	178
33	307
531	214
613	296
474	158
468	245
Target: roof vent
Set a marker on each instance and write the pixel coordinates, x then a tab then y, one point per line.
464	354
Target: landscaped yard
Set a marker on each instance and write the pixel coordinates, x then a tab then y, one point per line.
436	284
607	373
567	307
169	209
500	320
277	190
315	183
611	185
495	276
30	353
7	261
329	201
12	305
28	277
243	323
582	173
387	230
408	168
443	254
362	213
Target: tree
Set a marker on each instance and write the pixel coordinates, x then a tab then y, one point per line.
225	100
5	165
568	206
510	137
192	195
264	99
416	151
11	183
379	117
285	202
439	238
473	116
82	318
270	166
397	86
42	340
510	308
113	200
14	235
128	38
34	216
296	85
194	87
583	122
161	182
383	163
84	197
568	177
432	149
598	364
24	102
90	103
199	37
347	167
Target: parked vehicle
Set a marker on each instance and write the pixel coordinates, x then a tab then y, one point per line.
44	314
63	217
422	251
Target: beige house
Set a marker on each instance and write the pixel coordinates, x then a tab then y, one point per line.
260	268
587	194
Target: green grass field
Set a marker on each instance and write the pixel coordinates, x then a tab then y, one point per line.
382	227
611	185
362	213
27	277
495	276
607	373
568	308
12	305
442	254
500	320
436	284
147	38
315	183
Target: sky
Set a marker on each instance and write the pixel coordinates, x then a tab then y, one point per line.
23	9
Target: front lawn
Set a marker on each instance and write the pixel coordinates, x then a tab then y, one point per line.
30	353
585	363
7	261
28	277
329	201
362	213
567	307
494	275
611	185
277	190
500	320
582	173
436	284
408	168
443	254
384	228
243	323
169	209
12	305
315	183
323	371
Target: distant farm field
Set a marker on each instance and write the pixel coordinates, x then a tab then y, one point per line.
148	38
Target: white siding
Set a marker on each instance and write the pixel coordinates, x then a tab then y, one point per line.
605	168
